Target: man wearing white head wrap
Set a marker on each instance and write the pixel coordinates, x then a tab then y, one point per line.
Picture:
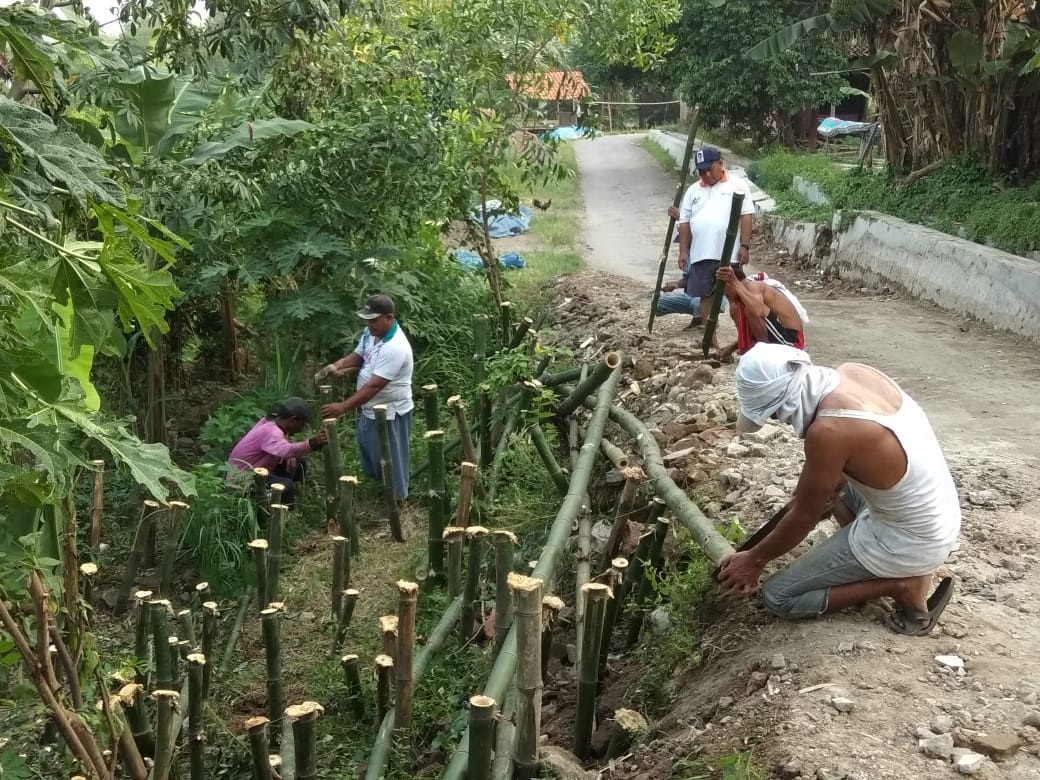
899	517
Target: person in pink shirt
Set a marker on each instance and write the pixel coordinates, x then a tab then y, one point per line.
267	446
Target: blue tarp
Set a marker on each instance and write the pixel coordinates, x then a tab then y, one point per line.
570	132
831	127
502	224
471	260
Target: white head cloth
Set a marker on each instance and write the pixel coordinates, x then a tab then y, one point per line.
774	379
765	278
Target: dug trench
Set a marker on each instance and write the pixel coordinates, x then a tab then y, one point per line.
841	697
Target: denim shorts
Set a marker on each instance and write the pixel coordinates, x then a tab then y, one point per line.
701	280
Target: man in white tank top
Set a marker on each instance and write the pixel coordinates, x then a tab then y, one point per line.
899	513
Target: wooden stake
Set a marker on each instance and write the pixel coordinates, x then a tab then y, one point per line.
274	553
349	601
436	499
635	622
633	477
333	465
629	725
551	606
210	625
386	464
431	407
527	594
137	555
196	732
166	706
87	573
484	412
408	593
479	347
260	498
340	562
137	716
615	576
270	623
186	626
158	611
467	477
388	633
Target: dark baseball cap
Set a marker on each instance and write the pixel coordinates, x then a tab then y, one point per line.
706	156
296	407
377	306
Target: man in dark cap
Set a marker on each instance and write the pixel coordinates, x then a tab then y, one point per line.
383	359
267	446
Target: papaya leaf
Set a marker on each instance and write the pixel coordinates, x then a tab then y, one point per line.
144	295
784	39
31	63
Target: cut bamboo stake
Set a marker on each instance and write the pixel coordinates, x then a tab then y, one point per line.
616	576
163	660
87	573
333	468
210	625
521	331
436	499
482	731
548	459
388	635
431	407
384	675
166	707
502	766
629	726
467	480
634	573
259	548
596	595
349	602
196	732
472	611
484	425
131	757
131	697
156	509
137	555
259	748
173	543
635	622
270	623
453	537
352	678
633	477
527	594
142	634
506	315
186	626
604	369
479	339
340	561
97	505
551	606
469	450
347	522
304	718
274	553
408	593
386	464
261	498
202	593
505	542
236	629
173	647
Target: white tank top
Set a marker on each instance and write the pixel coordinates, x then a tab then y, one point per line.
912	526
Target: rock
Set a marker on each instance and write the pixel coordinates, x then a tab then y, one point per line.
731	478
660	622
969	763
841	704
774	492
600	536
307	617
562	763
939	746
999	747
725	702
703	373
696	475
828	774
792	769
737	450
984	498
941	724
846	647
778	662
764	434
642	369
1032	719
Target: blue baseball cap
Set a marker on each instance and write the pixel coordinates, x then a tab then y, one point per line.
705	157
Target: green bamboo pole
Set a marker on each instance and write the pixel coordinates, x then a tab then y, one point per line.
449	449
548	459
210	626
684	170
259	549
408	594
270	624
260	498
122	737
629	726
236	628
618	570
653	562
165	707
479	347
132	698
142	634
348	526
471	610
561	378
505	311
634	572
202	593
352	679
173	542
431	407
502	766
349	602
551	606
186	626
173	647
274	553
720	288
453	537
482	729
388	633
196	731
304	719
469	450
559	535
505	543
615	455
158	610
605	368
467	481
484	428
527	594
521	331
259	749
384	675
340	560
596	595
386	464
436	505
137	555
333	458
527	392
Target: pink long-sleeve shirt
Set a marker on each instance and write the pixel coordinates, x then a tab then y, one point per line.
264	446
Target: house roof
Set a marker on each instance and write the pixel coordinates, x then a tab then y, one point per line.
551	85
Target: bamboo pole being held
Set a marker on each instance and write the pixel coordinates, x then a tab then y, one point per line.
274	553
484	412
545	452
502	766
482	731
408	594
210	626
431	407
340	562
261	499
347	522
173	543
604	369
270	625
163	660
472	611
137	555
453	537
467	480
304	718
196	731
165	708
596	595
436	505
527	594
388	635
259	549
551	606
352	679
629	726
720	289
384	676
259	748
97	505
505	544
349	602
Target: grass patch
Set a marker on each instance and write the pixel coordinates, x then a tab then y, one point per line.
663	158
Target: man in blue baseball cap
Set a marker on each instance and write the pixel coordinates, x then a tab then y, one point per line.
703	219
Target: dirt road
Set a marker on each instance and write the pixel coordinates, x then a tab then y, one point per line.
981	389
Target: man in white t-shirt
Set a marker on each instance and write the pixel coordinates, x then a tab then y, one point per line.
703	219
383	358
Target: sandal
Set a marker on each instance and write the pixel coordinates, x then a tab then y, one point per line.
912	622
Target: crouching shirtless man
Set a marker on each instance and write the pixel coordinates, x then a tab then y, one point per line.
900	515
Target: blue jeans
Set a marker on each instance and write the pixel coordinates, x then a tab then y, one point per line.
368	445
801	589
679	302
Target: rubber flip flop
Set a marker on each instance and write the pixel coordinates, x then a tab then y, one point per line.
911	622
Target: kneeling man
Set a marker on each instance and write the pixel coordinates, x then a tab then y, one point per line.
900	515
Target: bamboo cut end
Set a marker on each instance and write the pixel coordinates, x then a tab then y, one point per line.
258	544
406	588
280	507
505	305
523	584
481	702
349	660
256	722
379	408
388	624
384	661
88	569
534	384
502	534
595	590
307	709
337	540
202	587
324	389
659	500
468	470
272	609
612	360
173	641
455	400
163	695
211	608
476	532
182	612
151	504
553	603
276	489
349	480
275	761
162	604
453	533
143	595
128	693
431	388
99	463
182	505
434	435
630	721
260	471
196	659
619	564
633	473
328	422
351	593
